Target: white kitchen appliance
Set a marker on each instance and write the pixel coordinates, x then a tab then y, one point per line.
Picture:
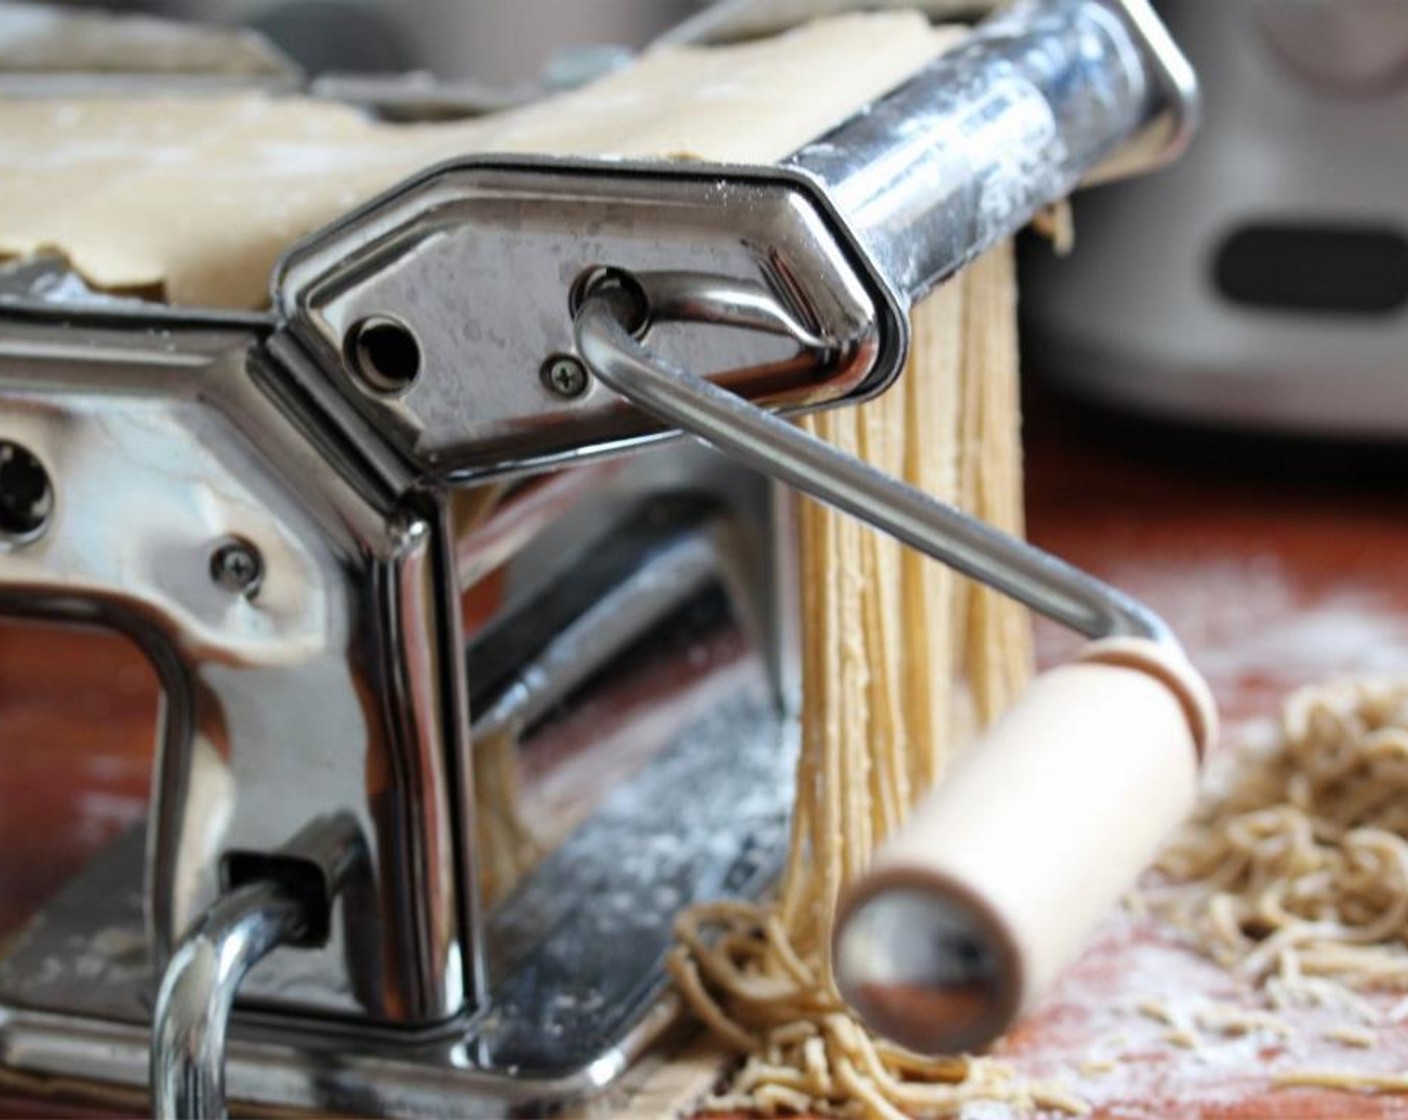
1263	282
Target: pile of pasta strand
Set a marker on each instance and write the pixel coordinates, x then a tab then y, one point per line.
901	659
1297	877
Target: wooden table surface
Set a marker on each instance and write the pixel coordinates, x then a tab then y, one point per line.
1278	565
1274	570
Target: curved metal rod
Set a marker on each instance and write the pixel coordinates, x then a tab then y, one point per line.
770	444
692	297
198	992
624	613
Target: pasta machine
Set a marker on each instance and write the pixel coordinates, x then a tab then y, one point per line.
279	509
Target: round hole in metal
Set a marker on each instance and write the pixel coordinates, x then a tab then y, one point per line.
26	494
384	353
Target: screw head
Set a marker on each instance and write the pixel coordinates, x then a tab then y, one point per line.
565	376
236	566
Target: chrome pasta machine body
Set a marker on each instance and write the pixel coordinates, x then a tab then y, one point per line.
280	510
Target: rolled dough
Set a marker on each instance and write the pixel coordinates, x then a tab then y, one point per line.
193	200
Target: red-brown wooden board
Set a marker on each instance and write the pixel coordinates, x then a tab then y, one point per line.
1274	575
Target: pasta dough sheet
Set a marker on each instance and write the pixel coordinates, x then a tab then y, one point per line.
193	200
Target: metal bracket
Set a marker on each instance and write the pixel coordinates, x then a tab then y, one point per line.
574	990
423	273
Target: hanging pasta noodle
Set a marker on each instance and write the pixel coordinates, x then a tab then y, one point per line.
900	657
507	845
1298	876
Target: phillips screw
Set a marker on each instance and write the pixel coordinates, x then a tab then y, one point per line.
565	376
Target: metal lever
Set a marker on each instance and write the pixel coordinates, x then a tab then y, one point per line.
777	448
198	993
285	897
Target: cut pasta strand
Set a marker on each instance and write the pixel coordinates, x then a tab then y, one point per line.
1298	876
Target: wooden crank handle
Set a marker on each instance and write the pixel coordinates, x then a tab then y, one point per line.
973	908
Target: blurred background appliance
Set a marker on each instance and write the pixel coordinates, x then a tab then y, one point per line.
420	59
492	53
1262	282
485	41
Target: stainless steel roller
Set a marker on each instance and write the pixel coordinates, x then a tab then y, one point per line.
1041	97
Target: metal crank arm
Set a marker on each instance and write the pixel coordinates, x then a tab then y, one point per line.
775	447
